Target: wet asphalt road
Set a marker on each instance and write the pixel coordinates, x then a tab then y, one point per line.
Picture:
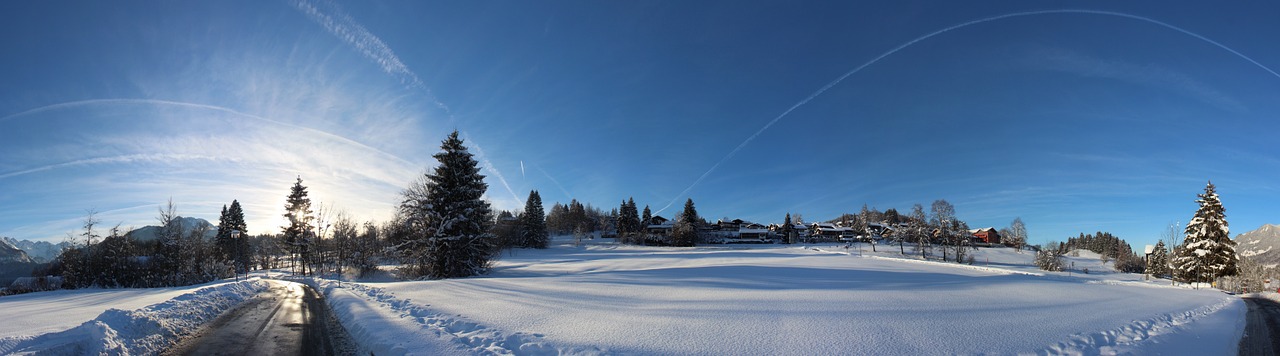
287	319
1262	327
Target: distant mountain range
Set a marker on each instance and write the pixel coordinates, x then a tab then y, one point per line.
10	253
14	262
1261	245
37	251
42	251
150	232
19	258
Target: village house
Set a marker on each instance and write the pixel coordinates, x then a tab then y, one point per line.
830	232
986	235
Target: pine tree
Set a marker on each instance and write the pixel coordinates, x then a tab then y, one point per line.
222	241
449	220
788	230
628	221
241	243
685	231
533	223
1207	252
167	259
1158	262
298	234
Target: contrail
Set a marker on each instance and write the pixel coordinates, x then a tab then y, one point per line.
484	161
939	32
350	31
553	180
522	169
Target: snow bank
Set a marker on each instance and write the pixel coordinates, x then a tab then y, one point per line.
142	331
39	313
385	325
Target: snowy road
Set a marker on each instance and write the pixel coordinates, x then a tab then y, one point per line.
287	319
1262	331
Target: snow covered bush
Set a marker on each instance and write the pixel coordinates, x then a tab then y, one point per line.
1049	258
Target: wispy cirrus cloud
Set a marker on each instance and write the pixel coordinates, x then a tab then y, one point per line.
200	155
1150	75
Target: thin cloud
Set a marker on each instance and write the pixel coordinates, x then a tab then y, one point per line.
91	102
121	159
1150	75
344	27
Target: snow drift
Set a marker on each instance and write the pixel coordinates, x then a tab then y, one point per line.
148	330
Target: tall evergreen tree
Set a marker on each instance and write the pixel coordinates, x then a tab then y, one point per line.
646	218
223	246
628	221
533	223
298	235
577	217
788	230
241	243
1158	262
685	230
448	217
1207	252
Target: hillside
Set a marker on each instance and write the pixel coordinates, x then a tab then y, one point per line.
149	232
1262	244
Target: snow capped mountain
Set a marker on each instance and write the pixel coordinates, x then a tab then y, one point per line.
149	233
38	251
11	253
1262	245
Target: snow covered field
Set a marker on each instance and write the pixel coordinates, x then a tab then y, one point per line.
778	299
766	299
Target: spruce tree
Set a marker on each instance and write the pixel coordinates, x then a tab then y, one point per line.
449	220
533	223
787	230
685	231
222	241
1207	253
241	243
298	234
628	221
1158	262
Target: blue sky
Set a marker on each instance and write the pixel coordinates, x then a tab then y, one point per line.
1073	121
